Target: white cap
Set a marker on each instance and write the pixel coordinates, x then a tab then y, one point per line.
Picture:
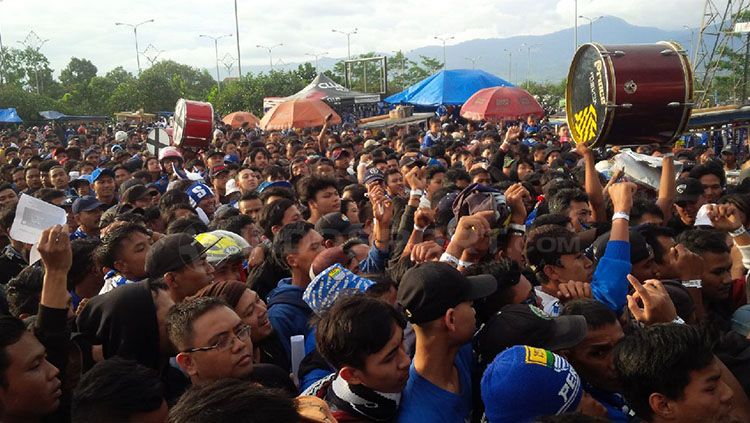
231	186
121	136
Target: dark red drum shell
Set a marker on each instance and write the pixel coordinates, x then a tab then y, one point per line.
648	81
196	124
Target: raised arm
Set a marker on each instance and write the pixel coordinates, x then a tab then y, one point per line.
593	184
666	186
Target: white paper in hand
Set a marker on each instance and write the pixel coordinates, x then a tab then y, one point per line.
34	216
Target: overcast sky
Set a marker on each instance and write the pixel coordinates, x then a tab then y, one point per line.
86	28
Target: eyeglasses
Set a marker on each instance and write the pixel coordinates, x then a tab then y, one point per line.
225	341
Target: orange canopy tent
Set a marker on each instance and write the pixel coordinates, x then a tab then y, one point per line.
501	103
236	119
298	113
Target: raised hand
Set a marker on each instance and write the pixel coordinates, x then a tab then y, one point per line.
573	290
426	251
470	230
621	194
424	217
515	196
724	217
657	306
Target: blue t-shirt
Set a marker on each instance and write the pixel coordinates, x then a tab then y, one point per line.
421	401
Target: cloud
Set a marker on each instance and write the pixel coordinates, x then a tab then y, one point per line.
86	28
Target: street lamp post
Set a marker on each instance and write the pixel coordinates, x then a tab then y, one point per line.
348	41
692	35
316	56
591	25
270	49
135	35
528	51
216	52
443	40
473	61
510	64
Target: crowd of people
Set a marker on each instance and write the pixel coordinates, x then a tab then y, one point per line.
448	271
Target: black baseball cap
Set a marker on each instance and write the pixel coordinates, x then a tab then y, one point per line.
173	253
135	193
688	190
429	289
128	184
523	324
336	223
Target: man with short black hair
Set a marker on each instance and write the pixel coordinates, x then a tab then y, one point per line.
250	204
123	250
362	338
556	256
181	261
8	196
669	373
573	203
295	246
87	211
213	341
593	357
103	180
119	390
321	196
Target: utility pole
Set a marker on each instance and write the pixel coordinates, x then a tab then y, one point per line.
575	26
216	52
135	35
237	36
744	71
2	59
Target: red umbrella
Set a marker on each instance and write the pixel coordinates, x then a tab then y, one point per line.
501	103
298	113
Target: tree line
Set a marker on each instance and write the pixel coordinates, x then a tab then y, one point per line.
27	83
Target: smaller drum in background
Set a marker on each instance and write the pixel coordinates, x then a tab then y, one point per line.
193	124
629	94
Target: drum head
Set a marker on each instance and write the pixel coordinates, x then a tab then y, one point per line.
180	112
588	92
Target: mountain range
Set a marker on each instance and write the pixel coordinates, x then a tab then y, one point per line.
550	54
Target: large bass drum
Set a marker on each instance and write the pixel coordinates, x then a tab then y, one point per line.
193	124
629	94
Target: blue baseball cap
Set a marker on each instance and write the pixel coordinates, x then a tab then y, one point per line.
231	158
85	204
374	175
523	383
101	171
